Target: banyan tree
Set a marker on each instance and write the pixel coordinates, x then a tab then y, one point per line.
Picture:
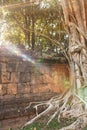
73	102
75	18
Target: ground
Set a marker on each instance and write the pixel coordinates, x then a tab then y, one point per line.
54	125
67	106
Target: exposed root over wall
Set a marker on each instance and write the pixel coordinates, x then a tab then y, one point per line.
67	105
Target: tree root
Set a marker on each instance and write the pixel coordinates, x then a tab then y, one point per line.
67	105
79	124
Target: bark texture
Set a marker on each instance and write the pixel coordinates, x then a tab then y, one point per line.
76	24
75	16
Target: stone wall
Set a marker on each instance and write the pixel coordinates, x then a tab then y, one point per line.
22	82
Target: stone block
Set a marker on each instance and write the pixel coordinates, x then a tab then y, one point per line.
12	89
24	77
44	88
55	88
23	88
21	67
6	77
0	89
39	88
7	98
14	77
3	89
35	89
24	67
0	77
3	59
47	78
36	79
3	67
11	66
1	97
0	67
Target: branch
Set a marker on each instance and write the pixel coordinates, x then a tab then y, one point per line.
19	5
39	115
53	41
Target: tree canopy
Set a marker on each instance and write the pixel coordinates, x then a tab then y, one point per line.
35	24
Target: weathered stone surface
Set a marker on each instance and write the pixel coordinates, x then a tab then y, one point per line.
1	97
41	88
24	67
15	107
7	97
13	123
44	88
15	77
6	77
0	67
3	59
0	89
47	78
22	82
21	67
3	67
24	77
36	79
23	88
3	89
12	89
0	77
11	66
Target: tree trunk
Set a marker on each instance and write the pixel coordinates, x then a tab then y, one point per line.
33	33
76	23
27	26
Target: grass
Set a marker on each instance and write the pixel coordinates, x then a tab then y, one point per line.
53	125
85	128
41	124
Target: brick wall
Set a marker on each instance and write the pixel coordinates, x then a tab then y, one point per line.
22	82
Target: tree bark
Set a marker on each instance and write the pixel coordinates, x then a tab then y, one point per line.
27	25
33	33
76	23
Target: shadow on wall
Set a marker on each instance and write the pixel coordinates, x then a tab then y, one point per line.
51	78
59	79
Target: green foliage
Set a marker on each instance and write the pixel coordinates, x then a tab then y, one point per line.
25	24
36	125
10	129
66	83
85	128
82	93
53	125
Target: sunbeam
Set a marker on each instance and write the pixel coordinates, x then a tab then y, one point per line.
6	45
12	49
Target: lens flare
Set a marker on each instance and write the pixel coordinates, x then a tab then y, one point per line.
25	57
9	48
14	50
